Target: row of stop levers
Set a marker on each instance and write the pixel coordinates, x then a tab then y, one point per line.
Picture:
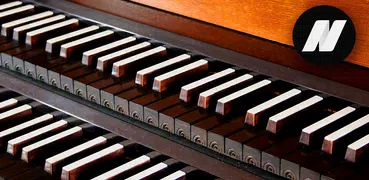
244	114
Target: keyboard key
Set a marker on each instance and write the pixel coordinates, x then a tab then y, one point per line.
162	82
7	28
73	170
207	96
314	134
193	89
105	63
36	36
128	65
145	76
337	141
253	114
53	45
19	33
89	58
278	121
70	48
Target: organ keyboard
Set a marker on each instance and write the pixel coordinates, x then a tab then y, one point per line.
291	131
53	144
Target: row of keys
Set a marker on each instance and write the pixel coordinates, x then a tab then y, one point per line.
243	114
53	144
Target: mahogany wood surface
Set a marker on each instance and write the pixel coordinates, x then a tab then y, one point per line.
270	19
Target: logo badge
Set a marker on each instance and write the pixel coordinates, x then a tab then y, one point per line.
324	35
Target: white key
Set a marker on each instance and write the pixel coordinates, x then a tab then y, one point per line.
310	130
14	144
89	56
206	96
253	114
330	140
276	122
123	168
189	89
52	44
148	172
35	36
71	171
29	152
357	149
142	76
224	104
176	175
8	103
25	125
18	112
104	61
20	31
7	27
16	11
51	162
67	49
162	82
120	67
9	5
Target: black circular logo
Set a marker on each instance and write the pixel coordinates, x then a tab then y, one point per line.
324	35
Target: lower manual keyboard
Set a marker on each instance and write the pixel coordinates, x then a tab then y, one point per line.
39	142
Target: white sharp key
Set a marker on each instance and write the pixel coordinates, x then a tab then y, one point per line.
162	82
224	104
25	125
104	62
149	172
29	152
68	49
71	171
35	36
18	112
142	76
330	141
52	45
175	176
309	131
22	9
124	168
253	114
16	143
120	67
6	28
20	32
276	122
8	103
51	162
357	149
10	5
206	96
189	89
88	57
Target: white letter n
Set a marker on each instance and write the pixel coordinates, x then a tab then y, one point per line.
320	34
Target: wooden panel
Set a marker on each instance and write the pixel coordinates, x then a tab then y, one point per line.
269	19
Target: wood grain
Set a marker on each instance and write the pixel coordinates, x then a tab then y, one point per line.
270	19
